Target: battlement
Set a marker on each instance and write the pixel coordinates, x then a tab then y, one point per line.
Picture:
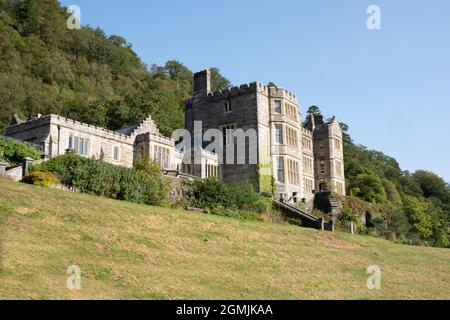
146	125
92	129
32	123
249	88
234	91
283	93
307	133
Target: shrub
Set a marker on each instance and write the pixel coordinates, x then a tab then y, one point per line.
143	184
41	179
64	167
369	187
14	151
155	188
231	200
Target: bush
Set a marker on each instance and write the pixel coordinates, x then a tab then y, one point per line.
144	184
14	151
155	190
41	179
369	187
65	167
231	200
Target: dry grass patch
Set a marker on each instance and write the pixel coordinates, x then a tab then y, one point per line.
127	251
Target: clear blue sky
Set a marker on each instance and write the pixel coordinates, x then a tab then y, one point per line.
392	87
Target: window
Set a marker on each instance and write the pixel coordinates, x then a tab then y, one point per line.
338	168
227	107
308	164
307	143
308	185
228	134
188	168
291	111
212	171
339	188
116	153
280	169
292	137
161	156
79	145
278	134
337	144
293	172
277	107
322	167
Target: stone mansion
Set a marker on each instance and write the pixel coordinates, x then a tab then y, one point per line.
300	160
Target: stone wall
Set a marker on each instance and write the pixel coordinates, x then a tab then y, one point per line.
54	133
327	155
211	111
251	106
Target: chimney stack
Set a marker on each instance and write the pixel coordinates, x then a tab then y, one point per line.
202	82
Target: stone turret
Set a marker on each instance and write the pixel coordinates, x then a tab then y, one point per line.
202	83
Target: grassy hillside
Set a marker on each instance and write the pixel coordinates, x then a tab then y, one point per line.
129	251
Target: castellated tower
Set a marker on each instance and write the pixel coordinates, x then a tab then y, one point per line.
286	152
328	154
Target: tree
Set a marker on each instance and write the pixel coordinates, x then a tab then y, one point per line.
344	126
398	224
181	75
119	42
419	216
218	82
370	188
432	185
314	110
27	15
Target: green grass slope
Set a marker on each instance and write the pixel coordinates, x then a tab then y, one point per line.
128	251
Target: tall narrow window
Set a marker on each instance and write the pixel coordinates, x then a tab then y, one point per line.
307	143
308	164
280	169
277	107
162	156
322	167
81	147
116	153
337	144
228	134
75	144
227	107
309	186
339	188
86	147
278	134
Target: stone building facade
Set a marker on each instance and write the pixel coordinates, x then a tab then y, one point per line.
56	134
301	160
